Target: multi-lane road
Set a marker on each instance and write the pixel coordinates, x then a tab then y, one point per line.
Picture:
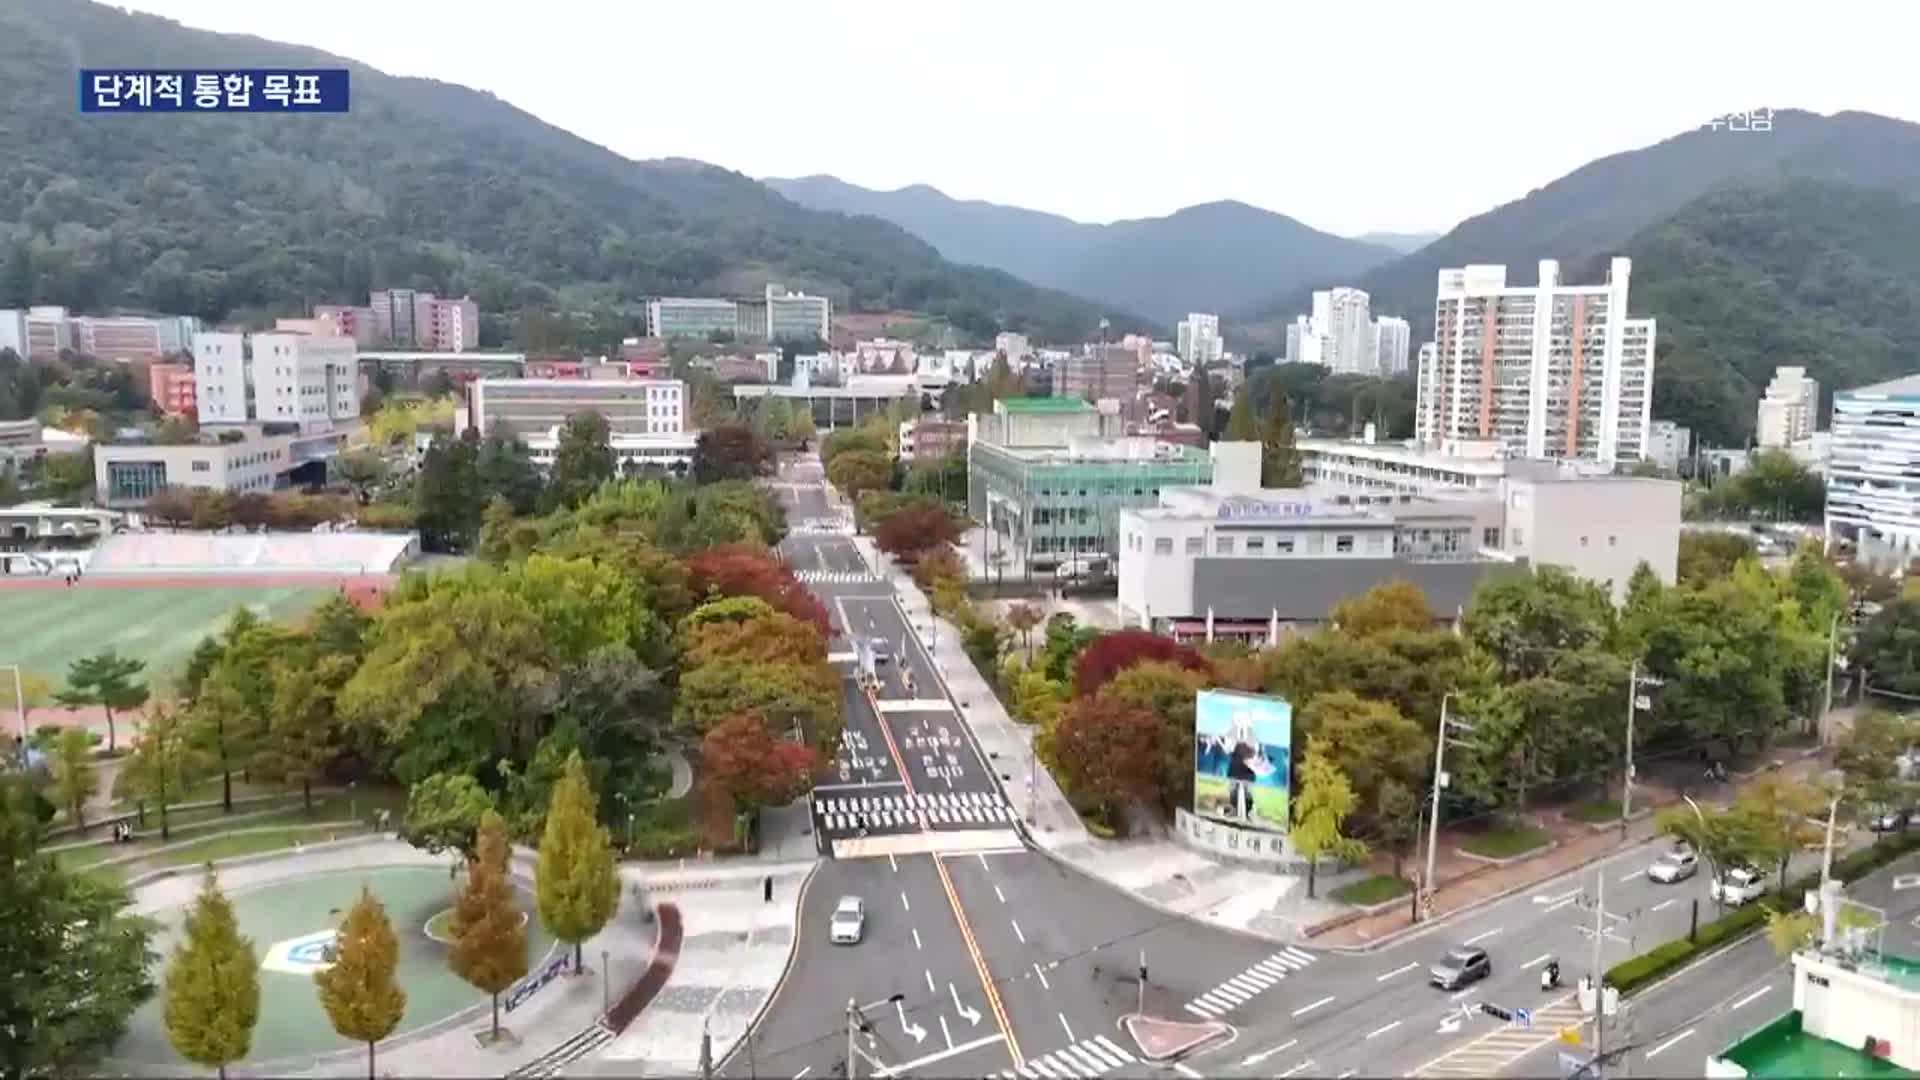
983	956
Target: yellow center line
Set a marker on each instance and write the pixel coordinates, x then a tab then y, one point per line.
980	964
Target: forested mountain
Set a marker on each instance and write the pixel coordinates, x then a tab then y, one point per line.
1404	243
424	184
1750	277
1215	257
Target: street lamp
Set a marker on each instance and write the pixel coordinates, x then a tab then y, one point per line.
1833	643
1635	703
1447	723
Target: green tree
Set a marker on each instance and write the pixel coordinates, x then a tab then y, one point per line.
1279	455
856	472
1525	618
1396	817
504	469
582	461
199	666
576	886
78	955
499	533
74	778
1369	741
1023	619
1706	557
363	999
108	680
489	930
1320	811
1240	423
212	984
446	496
781	692
1168	691
444	811
164	762
1888	647
303	733
362	470
1391	605
1869	758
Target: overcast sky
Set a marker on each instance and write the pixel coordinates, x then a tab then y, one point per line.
1351	117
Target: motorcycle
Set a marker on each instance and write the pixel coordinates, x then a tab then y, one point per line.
1550	975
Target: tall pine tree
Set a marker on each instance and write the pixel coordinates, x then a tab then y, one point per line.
362	998
212	984
575	884
1279	456
1240	425
582	461
489	930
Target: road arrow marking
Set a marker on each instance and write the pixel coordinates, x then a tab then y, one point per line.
1255	1059
918	1033
1449	1025
971	1015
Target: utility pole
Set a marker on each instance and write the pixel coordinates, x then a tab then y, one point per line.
1833	643
1601	931
1635	703
857	1024
1447	723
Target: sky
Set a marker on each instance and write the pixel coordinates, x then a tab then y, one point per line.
1351	117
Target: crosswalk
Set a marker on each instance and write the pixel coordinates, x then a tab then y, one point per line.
580	1045
840	813
1088	1057
830	526
837	577
1243	987
1499	1048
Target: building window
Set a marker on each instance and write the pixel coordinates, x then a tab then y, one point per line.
1343	544
1283	545
1223	545
1195	545
1377	542
202	466
1519	537
1163	545
1613	541
1490	536
1316	543
1583	541
1256	545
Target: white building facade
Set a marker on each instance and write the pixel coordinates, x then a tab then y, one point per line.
1873	467
1546	371
308	380
1788	410
1197	339
1391	339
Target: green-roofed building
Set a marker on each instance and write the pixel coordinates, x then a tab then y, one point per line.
1047	478
1856	1014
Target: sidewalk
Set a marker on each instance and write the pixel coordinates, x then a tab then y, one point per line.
732	957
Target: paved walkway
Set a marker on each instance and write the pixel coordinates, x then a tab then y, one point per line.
733	954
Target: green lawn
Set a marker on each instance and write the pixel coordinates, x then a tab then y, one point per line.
1377	889
227	846
50	628
334	807
1595	811
1506	843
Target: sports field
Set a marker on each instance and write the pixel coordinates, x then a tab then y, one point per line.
45	629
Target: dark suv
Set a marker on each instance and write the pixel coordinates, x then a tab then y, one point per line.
1461	967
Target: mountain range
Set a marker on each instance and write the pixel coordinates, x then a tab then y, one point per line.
424	184
1213	257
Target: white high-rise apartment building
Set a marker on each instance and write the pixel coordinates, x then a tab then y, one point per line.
1873	497
1392	337
1544	371
1789	410
303	379
1198	339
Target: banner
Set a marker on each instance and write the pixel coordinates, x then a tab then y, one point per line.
1242	750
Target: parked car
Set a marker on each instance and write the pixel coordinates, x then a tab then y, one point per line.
882	650
1676	865
1738	886
849	921
1891	821
1461	966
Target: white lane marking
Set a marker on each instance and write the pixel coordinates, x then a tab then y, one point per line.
1186	1070
1749	998
1661	904
1301	955
904	902
996	890
1483	937
1633	874
1402	970
1044	984
802	1072
1377	1032
1300	1068
1255	1059
905	1066
1461	994
892	863
1656	1050
1556	907
1344	1075
916	936
944	1031
1016	931
983	865
1069	1028
930	987
1556	899
1309	1008
1534	961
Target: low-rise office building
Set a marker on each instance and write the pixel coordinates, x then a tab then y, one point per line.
834	407
646	418
266	458
1856	1013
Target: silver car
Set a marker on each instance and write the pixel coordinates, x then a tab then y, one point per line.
849	921
1674	866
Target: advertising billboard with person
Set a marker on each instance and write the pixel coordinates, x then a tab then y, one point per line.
1242	745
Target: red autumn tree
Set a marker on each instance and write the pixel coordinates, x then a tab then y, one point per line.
746	570
1109	754
730	452
743	759
915	529
1110	654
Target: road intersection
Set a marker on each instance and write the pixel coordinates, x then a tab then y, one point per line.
990	957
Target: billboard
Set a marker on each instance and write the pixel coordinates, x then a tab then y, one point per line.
1242	749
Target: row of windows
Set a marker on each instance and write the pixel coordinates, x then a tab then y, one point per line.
1312	543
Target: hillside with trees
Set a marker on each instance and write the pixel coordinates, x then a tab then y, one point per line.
423	184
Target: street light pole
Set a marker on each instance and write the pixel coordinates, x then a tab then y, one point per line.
1635	681
1833	643
19	703
1439	780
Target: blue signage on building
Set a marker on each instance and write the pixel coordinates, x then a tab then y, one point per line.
1257	509
198	90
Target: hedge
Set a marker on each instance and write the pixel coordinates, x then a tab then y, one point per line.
1633	973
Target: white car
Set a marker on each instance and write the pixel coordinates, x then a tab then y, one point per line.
1738	886
1676	865
849	921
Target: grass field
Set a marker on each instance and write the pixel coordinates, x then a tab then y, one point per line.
47	629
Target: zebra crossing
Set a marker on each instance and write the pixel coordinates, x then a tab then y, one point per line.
1088	1057
1240	989
842	813
837	577
831	526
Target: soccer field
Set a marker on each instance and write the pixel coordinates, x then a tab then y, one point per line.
44	630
